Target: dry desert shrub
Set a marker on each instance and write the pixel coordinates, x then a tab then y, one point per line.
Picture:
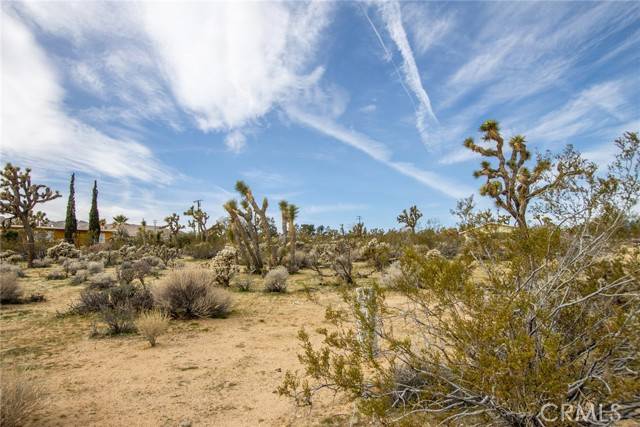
152	324
102	281
392	276
42	263
94	300
192	293
95	267
20	398
56	275
276	280
244	284
10	290
81	276
71	266
11	268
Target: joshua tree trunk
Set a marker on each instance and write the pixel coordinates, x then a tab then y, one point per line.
292	243
31	243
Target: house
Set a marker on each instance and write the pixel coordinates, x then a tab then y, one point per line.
54	230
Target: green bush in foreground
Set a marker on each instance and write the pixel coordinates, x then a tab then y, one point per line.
513	329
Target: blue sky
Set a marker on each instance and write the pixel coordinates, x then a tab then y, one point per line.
344	109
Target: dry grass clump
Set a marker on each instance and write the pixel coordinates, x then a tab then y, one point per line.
102	281
56	275
19	399
10	289
244	284
392	276
276	280
42	263
192	293
152	324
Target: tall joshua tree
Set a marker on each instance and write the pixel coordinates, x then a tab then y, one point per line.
291	216
261	212
284	212
173	222
94	216
18	198
199	222
245	233
411	218
120	221
70	222
510	183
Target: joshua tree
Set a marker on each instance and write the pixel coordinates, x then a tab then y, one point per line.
120	221
245	233
284	212
173	222
510	183
39	219
291	216
94	216
261	213
70	222
18	197
411	218
358	229
199	222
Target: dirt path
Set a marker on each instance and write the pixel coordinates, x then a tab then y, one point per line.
217	372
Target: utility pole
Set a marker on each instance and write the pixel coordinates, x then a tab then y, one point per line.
359	218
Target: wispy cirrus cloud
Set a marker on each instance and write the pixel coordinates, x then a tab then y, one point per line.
425	119
598	106
533	49
427	25
379	152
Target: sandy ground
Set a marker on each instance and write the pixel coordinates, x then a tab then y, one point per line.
215	372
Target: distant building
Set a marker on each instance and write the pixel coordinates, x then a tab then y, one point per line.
54	230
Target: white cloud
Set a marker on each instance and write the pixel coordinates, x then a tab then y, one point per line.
369	108
379	152
228	64
36	129
359	141
265	178
458	155
533	49
596	107
425	118
235	141
427	27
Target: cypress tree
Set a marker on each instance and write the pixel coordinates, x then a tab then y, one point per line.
70	222
94	217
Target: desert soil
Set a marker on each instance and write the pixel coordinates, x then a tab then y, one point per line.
208	372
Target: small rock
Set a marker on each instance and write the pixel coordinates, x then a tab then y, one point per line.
185	423
279	370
